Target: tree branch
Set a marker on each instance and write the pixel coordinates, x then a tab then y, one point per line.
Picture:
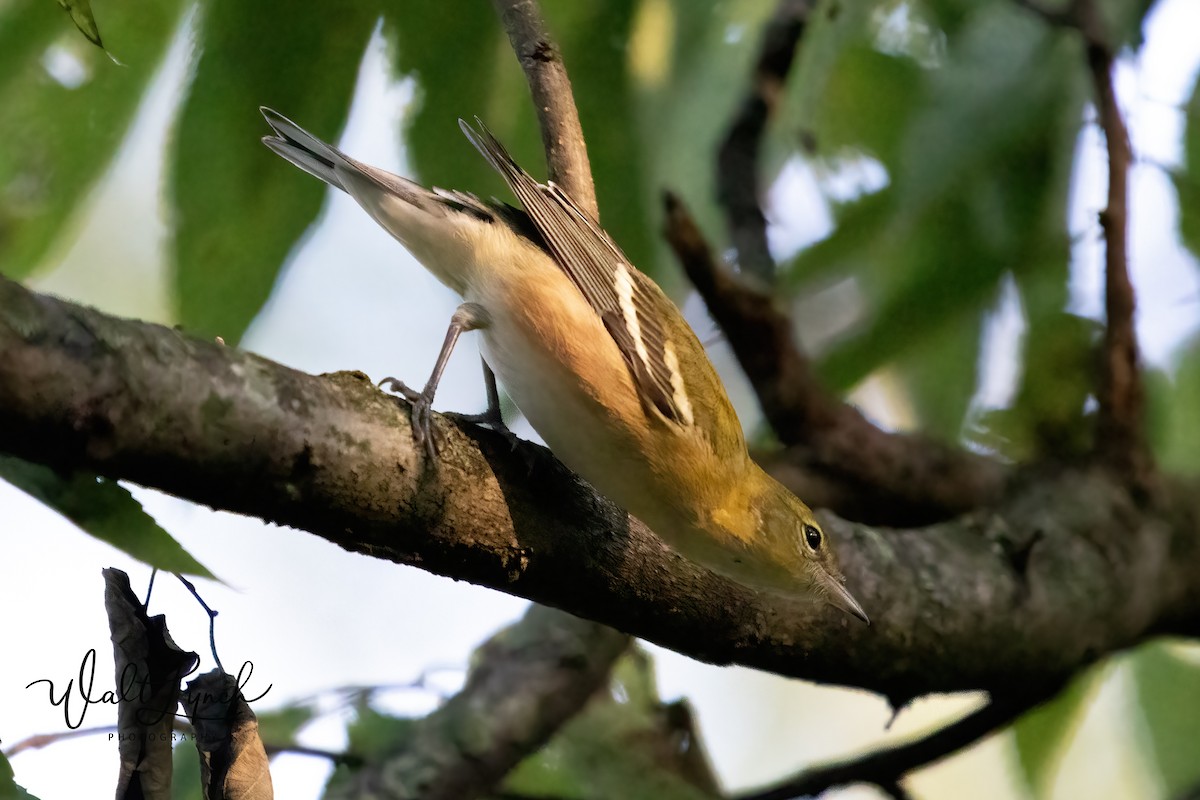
1067	568
869	474
1120	438
562	135
886	767
737	161
528	681
1120	435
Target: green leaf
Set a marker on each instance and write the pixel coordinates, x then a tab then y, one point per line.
1047	419
867	102
279	728
837	46
186	781
691	65
105	510
1178	426
1124	20
1168	691
81	14
595	42
481	79
961	210
1043	735
941	376
9	788
64	109
484	79
238	209
1187	178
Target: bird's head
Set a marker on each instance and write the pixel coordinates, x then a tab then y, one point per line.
790	553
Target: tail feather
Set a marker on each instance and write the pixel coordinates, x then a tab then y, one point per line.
420	219
324	161
303	149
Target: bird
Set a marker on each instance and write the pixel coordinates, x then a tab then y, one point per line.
599	360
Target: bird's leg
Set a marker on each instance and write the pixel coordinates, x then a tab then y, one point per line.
492	417
467	317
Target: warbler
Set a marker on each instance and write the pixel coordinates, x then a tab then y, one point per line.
597	357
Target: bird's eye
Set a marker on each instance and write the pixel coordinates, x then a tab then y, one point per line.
813	536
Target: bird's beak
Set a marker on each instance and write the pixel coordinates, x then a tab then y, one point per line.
840	597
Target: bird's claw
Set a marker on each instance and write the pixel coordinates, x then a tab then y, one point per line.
425	434
492	420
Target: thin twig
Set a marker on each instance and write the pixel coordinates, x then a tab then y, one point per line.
349	759
1120	438
1121	394
40	740
885	768
870	475
562	135
212	618
738	188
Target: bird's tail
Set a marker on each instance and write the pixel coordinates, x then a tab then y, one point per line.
422	220
331	165
303	149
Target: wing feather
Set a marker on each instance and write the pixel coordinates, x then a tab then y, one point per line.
624	298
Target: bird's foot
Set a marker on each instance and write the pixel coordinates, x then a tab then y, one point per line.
421	404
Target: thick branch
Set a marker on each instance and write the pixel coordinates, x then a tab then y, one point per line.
885	768
737	161
528	681
1066	569
562	135
870	475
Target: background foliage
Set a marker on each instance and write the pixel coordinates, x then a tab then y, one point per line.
942	136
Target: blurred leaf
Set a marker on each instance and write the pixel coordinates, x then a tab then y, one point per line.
691	64
64	109
1168	691
868	102
1187	178
373	734
837	50
1043	735
279	728
1046	418
9	788
26	28
595	42
238	209
485	79
81	14
941	376
185	772
971	195
481	73
105	510
1125	19
1175	423
623	744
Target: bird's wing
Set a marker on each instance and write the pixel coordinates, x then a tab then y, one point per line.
629	303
